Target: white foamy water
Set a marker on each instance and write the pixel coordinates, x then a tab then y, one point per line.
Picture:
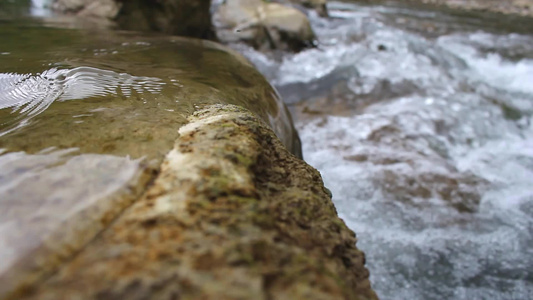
40	8
435	172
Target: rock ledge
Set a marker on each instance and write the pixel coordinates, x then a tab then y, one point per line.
232	215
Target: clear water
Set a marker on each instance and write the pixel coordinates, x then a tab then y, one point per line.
136	89
421	124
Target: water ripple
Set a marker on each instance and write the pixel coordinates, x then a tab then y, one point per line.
31	94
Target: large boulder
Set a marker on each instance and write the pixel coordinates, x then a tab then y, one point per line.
264	25
154	167
231	215
185	18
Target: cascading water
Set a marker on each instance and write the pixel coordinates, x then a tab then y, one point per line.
421	125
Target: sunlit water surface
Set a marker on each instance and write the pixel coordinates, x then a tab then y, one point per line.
421	125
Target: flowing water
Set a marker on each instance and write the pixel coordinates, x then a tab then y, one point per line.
420	122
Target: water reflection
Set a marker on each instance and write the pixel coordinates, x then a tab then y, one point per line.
137	90
29	94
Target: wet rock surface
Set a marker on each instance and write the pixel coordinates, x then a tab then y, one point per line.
231	215
51	210
86	118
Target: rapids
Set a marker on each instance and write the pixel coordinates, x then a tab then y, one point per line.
420	122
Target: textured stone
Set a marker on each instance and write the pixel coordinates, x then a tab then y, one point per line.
263	25
50	213
231	215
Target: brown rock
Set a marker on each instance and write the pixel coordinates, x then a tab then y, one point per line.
232	215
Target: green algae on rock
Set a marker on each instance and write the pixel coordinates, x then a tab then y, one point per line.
136	90
231	215
86	119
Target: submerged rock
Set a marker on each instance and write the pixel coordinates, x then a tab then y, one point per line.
231	215
264	25
86	118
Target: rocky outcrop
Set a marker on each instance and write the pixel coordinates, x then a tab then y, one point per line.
91	140
111	189
231	215
264	25
185	18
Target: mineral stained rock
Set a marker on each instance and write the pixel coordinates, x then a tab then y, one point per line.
231	215
94	132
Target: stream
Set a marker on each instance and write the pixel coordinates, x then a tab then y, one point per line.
420	123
